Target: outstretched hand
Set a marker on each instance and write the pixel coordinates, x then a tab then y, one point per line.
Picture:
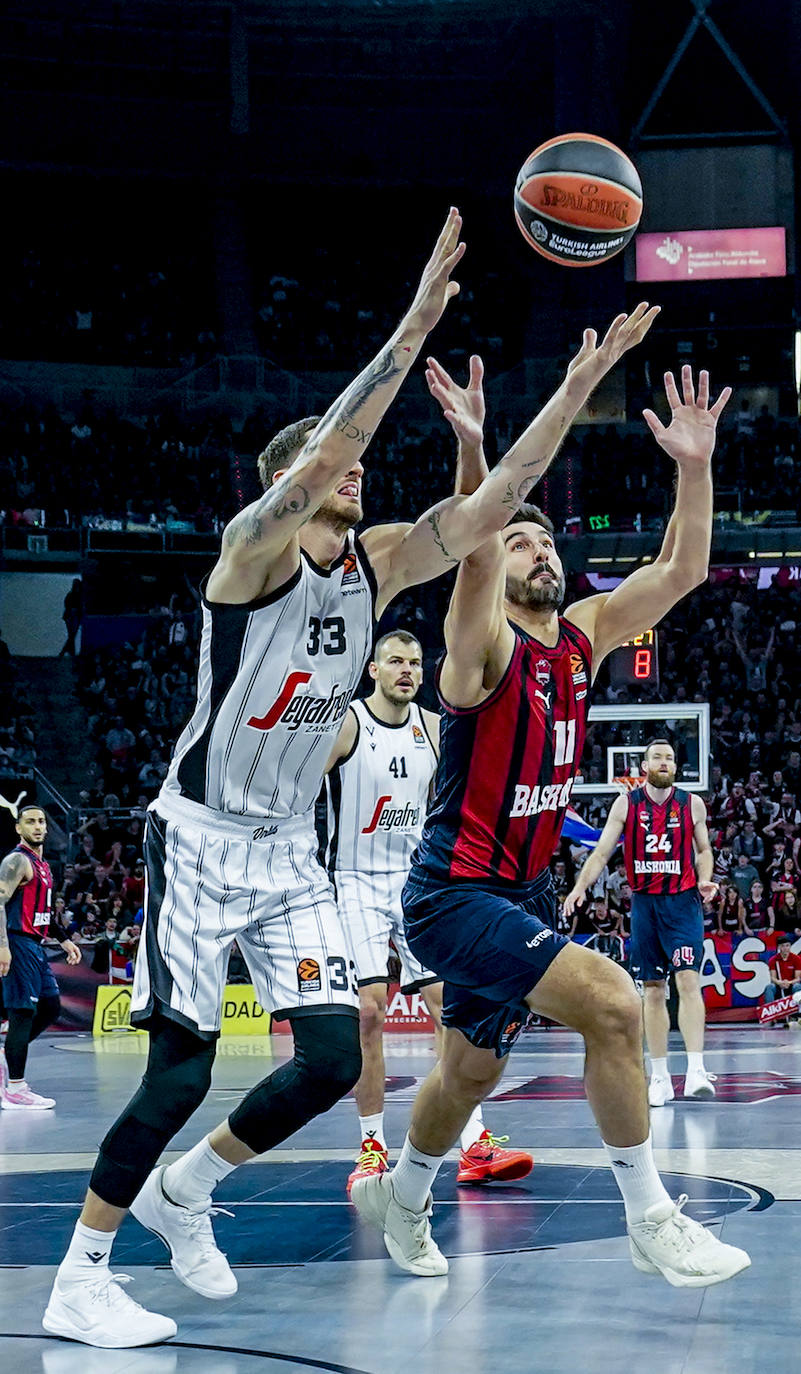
690	436
462	406
436	288
594	359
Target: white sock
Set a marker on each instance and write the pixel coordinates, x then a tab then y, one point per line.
413	1176
695	1062
373	1126
87	1254
636	1177
659	1068
191	1180
472	1130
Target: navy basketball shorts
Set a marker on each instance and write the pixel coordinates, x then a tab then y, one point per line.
667	932
30	976
490	945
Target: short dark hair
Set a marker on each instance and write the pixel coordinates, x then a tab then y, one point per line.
658	739
783	940
405	637
531	514
284	448
29	806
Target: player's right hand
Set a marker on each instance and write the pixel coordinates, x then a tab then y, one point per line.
5	960
574	899
436	288
462	406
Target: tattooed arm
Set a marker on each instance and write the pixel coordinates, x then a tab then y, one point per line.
14	869
453	529
261	534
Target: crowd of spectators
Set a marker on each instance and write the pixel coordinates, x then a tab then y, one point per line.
739	649
98	467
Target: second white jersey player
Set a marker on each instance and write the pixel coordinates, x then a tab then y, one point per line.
377	790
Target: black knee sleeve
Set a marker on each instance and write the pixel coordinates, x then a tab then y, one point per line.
48	1010
175	1082
18	1038
327	1063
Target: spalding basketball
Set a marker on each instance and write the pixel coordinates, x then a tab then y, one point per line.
578	199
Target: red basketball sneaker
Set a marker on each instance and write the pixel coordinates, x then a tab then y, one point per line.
372	1160
485	1160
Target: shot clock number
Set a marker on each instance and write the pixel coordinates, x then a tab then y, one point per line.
636	662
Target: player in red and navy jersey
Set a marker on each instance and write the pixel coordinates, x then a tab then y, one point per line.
478	904
669	863
30	992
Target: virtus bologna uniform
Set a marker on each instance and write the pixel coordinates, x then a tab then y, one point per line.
376	804
230	846
478	905
667	917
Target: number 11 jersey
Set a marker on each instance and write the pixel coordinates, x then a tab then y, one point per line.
275	678
507	766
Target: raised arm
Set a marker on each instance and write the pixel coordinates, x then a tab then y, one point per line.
648	595
14	869
403	556
261	532
593	867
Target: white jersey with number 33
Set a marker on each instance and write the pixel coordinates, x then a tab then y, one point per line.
275	678
377	796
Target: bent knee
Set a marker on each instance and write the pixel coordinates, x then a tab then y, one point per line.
618	1012
372	1014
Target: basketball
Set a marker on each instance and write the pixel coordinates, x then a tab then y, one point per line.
578	199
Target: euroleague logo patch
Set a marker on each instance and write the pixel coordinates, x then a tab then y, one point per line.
417	735
309	976
351	577
577	669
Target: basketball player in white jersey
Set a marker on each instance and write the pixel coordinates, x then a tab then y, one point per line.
378	783
288	613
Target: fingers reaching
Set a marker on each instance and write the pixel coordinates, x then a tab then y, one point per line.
687	388
721	402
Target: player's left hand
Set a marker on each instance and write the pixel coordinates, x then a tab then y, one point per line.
707	891
72	952
462	406
690	436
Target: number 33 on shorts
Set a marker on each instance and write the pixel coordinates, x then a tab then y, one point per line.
341	974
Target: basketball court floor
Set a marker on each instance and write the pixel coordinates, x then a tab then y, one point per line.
539	1279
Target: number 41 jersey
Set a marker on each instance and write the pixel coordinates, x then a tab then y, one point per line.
507	766
275	678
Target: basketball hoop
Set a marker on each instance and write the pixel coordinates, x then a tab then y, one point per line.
628	781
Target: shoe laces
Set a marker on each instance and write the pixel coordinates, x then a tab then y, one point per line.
197	1225
372	1154
679	1231
107	1288
487	1144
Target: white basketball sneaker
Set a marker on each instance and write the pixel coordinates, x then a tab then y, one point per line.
194	1256
98	1312
681	1250
407	1235
660	1090
700	1084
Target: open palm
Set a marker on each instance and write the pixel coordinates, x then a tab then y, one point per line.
463	406
690	436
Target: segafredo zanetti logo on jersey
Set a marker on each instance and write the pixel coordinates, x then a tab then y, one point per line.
388	817
529	801
295	708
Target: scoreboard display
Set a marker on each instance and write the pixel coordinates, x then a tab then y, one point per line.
636	663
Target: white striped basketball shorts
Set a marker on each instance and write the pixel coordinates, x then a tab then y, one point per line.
213	878
370	907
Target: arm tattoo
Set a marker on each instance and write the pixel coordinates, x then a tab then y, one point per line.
381	371
279	501
433	520
12	872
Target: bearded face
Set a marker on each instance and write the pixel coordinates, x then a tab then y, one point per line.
541	590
